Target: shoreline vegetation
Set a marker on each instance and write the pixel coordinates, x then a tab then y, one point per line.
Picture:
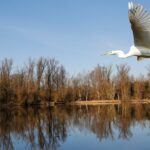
82	103
46	82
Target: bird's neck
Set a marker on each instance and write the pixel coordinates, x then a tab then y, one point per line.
134	51
121	54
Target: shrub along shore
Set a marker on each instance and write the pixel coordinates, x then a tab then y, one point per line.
45	82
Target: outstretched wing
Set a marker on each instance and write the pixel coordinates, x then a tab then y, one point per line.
140	24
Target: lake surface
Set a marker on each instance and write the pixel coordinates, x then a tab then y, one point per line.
115	127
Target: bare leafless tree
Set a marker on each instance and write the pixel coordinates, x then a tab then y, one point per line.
123	81
5	81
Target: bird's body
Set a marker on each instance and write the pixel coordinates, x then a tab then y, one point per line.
140	24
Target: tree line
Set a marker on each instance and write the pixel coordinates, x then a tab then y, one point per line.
45	80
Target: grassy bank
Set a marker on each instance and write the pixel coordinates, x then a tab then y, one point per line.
109	102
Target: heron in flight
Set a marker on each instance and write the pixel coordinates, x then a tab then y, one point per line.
140	24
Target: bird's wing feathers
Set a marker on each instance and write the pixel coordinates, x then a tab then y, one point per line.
140	23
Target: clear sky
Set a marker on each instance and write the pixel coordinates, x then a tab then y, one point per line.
74	32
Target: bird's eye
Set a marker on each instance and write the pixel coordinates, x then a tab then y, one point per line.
136	7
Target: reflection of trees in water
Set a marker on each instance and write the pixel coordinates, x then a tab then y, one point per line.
105	121
5	134
45	128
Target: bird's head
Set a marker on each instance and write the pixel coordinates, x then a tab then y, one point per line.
116	52
111	53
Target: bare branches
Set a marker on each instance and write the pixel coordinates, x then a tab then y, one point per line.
5	81
123	82
45	81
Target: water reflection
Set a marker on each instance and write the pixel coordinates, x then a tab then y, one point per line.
48	128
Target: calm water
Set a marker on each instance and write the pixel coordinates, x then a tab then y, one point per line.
117	127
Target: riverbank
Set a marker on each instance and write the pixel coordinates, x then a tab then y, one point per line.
109	102
89	102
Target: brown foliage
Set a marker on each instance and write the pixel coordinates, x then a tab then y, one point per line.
45	80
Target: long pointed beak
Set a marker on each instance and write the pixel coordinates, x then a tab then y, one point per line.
106	53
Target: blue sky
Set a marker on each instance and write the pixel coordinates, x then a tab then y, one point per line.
74	32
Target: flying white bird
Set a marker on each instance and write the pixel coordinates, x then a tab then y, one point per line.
140	24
